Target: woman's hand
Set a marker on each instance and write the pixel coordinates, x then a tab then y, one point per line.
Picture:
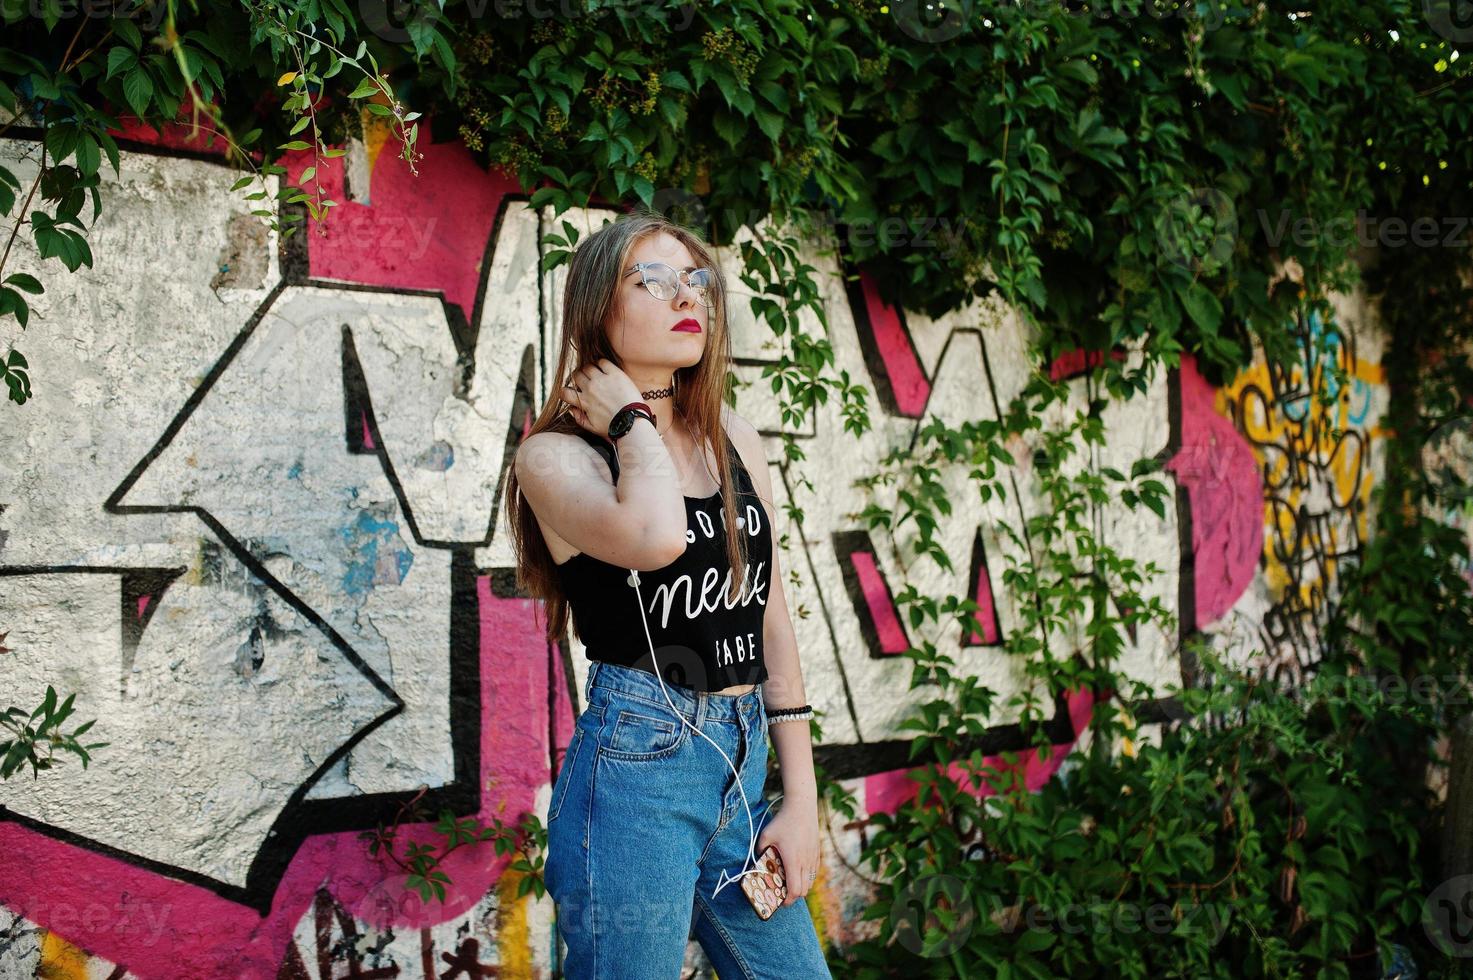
794	832
595	392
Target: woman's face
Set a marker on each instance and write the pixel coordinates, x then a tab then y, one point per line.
642	329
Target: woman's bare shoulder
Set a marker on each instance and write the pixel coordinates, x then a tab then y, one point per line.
549	457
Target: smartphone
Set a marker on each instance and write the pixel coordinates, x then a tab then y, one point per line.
767	887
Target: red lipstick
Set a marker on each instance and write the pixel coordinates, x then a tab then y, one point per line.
688	324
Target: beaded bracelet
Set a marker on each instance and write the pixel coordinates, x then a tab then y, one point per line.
777	715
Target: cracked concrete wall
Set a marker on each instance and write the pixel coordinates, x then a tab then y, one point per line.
251	519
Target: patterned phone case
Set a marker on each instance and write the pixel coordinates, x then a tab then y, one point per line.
767	887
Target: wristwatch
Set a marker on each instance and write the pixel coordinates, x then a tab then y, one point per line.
623	419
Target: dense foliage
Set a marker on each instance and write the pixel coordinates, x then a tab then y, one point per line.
1262	830
1119	171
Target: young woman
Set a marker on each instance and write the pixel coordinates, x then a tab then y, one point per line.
657	538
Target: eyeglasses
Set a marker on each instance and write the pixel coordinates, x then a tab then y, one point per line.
663	282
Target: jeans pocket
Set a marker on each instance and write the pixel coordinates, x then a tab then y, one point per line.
564	776
640	735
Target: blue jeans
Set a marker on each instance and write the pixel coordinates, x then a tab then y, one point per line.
644	816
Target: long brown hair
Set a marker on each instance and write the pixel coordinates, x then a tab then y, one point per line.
593	277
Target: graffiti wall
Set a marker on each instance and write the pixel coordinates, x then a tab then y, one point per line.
252	518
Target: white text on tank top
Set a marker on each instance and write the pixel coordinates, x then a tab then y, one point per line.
710	598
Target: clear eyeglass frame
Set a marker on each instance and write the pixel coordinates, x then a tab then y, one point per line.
662	281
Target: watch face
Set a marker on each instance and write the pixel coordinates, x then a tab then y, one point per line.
620	424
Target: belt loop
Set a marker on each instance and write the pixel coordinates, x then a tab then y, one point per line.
702	700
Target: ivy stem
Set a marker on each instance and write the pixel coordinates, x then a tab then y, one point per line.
20	215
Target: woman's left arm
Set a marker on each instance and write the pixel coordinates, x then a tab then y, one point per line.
794	827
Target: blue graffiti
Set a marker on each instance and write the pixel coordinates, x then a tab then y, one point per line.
369	567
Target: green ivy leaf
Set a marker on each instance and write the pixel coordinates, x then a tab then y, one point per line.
1202	306
730	127
120	59
128	31
364	88
25	281
138	90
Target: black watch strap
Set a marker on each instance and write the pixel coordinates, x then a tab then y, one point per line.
624	420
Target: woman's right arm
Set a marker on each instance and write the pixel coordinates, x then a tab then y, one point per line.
639	523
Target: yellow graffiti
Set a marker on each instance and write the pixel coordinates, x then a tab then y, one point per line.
1126	743
60	960
377	130
1312	436
819	900
513	938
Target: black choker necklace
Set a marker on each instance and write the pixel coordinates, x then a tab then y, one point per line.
658	393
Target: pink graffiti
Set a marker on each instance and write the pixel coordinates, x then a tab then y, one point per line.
886	792
203	934
420	232
881	606
1074	362
907	379
986	614
215	936
182	135
1225	487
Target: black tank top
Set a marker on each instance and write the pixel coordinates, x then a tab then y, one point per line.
699	640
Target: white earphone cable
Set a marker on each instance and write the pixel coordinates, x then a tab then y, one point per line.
751	858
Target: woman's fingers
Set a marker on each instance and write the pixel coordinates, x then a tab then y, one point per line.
797	885
799	879
572	398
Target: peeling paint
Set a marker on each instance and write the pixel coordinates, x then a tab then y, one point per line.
439	457
380	556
